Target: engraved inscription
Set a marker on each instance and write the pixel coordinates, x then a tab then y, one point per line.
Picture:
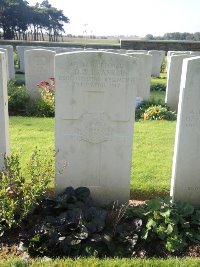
192	119
193	188
95	128
98	75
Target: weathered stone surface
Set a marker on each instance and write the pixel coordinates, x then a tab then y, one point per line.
185	184
174	53
21	56
95	100
174	80
39	65
5	51
11	67
145	74
4	132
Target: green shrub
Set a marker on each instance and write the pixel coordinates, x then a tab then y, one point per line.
174	224
145	105
18	197
20	102
158	87
18	99
159	113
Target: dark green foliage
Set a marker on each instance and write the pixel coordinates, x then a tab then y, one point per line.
158	87
16	16
18	99
174	224
74	226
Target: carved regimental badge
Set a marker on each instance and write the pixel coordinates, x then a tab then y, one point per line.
95	128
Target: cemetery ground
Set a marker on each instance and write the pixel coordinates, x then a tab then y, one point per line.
150	178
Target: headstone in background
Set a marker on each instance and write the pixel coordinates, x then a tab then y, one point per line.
145	74
5	51
174	80
95	103
157	60
11	66
185	184
39	65
4	124
174	53
20	52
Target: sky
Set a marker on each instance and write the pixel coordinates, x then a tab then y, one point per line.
129	17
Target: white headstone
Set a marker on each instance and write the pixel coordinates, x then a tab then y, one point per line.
39	65
20	52
157	60
137	51
95	102
4	129
174	80
5	51
11	66
186	163
145	74
174	53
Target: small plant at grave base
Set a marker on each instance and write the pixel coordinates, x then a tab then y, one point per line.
141	108
19	198
74	226
175	224
159	113
46	104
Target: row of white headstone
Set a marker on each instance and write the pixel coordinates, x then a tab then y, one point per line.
157	55
174	71
39	65
94	116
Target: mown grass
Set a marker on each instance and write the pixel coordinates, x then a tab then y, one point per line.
152	150
152	158
162	79
157	95
93	262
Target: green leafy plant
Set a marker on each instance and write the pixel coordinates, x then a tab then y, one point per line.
18	99
175	224
159	113
139	112
18	197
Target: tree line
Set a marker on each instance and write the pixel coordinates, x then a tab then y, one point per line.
20	21
175	36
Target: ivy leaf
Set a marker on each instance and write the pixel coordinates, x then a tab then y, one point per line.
150	224
170	229
154	204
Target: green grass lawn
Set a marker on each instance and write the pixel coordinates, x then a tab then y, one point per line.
157	95
152	150
19	76
93	262
162	79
